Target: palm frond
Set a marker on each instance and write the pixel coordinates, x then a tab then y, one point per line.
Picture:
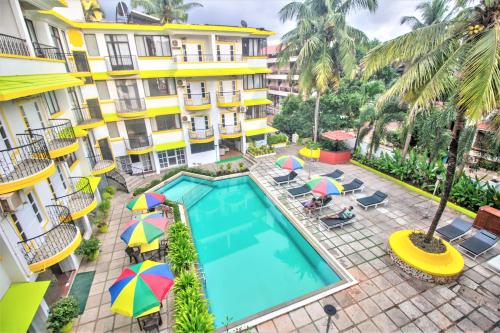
411	21
291	11
323	70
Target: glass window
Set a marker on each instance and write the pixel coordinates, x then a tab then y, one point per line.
202	147
171	121
56	38
255	81
91	44
18	227
172	157
153	46
70	159
113	130
4	137
51	100
161	86
74	95
34	206
254	46
256	111
60	173
102	89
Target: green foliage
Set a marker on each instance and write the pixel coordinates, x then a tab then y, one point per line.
110	189
241	167
88	247
312	145
62	312
100	218
191	312
277	138
469	192
489	165
332	145
175	208
185	280
182	253
168	11
258	151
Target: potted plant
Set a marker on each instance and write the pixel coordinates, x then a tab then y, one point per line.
89	248
277	140
61	315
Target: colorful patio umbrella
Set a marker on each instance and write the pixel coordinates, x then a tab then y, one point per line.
146	201
325	186
140	288
143	229
290	162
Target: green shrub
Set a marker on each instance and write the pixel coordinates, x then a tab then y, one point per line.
175	207
106	196
277	138
258	151
62	312
191	312
329	145
110	189
182	253
88	247
185	280
105	205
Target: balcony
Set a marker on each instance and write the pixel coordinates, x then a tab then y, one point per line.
228	99
201	135
197	58
59	137
121	63
230	131
197	102
139	144
76	64
13	45
81	200
130	107
26	164
100	165
86	118
47	51
55	245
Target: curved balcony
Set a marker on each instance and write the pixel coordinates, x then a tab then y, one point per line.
59	137
230	131
138	145
53	246
81	200
26	164
197	102
201	135
100	165
130	107
13	45
228	99
196	57
87	119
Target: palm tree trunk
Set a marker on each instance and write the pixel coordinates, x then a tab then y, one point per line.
316	118
450	172
411	119
358	130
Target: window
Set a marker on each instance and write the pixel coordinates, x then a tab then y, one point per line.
255	81
69	159
171	157
256	111
4	137
91	44
52	103
254	46
171	121
161	86
153	46
56	38
199	123
18	227
24	117
34	206
75	100
102	89
202	147
113	130
51	187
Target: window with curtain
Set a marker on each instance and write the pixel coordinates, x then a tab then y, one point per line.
113	130
102	89
167	122
160	86
91	45
51	101
153	46
254	46
255	81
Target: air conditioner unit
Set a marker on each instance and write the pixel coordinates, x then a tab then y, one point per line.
10	202
181	83
242	109
176	43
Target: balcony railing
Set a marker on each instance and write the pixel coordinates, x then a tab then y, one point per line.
58	134
285	89
84	116
201	134
130	105
228	97
121	63
197	99
13	45
80	198
75	66
28	158
139	142
229	129
50	243
99	164
182	58
47	51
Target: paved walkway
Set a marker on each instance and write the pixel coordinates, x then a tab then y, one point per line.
386	299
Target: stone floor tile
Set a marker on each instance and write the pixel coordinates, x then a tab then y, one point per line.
267	327
105	311
461	305
121	321
368	327
422	304
481	320
342	321
439	319
384	323
357	293
315	311
433	297
343	298
369	307
88	315
355	313
407	290
104	325
369	287
283	323
87	328
410	328
468	326
300	317
450	312
322	323
382	301
394	295
398	317
426	325
493	316
309	329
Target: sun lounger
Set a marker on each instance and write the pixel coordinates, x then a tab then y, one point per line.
480	243
299	191
280	180
337	174
494	264
324	204
355	185
455	230
331	223
374	200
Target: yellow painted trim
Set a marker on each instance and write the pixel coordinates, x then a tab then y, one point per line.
255	57
168	131
29	180
255	119
231	136
101	171
116	139
84	211
228	104
155	58
57	114
44	264
197	107
123	73
95	58
160	97
75	163
92	125
138	114
38	90
140	151
65	150
256	89
202	140
451	205
106	101
6	55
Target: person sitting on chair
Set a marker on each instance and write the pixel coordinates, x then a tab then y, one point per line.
311	204
345	214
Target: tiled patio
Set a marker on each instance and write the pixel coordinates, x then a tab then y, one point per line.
386	299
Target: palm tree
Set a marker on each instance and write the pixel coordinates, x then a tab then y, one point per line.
92	11
323	43
168	10
456	60
431	11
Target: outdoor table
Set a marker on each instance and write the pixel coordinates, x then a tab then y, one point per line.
151	247
150	318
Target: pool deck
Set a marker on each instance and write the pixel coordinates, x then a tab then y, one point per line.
386	299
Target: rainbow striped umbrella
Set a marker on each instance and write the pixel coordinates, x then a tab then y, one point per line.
140	288
325	186
143	229
146	201
290	162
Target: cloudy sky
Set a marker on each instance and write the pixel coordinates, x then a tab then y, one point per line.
383	25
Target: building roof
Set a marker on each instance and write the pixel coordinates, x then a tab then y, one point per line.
338	135
16	86
272	49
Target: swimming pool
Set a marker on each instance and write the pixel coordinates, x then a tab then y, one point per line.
252	256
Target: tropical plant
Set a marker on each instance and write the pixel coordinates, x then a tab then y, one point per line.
182	253
191	312
456	60
89	248
325	45
62	313
92	11
277	138
168	11
431	12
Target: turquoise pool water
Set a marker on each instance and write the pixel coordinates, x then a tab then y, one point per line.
252	256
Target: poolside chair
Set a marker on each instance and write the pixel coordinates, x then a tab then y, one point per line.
299	191
374	200
455	230
331	223
337	174
494	264
480	243
280	180
324	204
355	185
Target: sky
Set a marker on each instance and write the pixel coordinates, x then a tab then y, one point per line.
383	24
